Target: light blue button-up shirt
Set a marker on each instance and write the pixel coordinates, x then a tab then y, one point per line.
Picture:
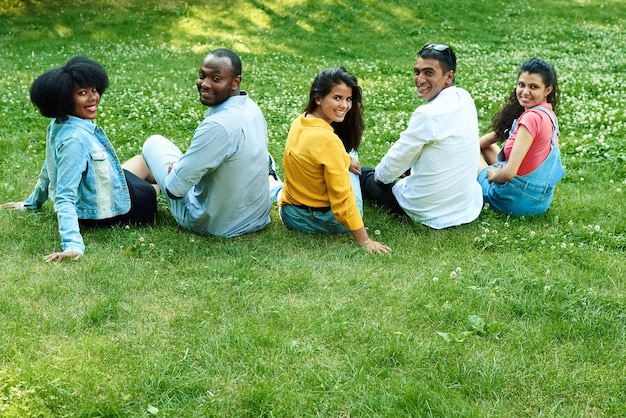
223	174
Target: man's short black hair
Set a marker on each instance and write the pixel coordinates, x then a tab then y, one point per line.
442	53
234	59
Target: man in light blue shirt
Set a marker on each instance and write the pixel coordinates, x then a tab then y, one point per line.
219	186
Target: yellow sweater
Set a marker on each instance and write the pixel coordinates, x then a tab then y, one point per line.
316	171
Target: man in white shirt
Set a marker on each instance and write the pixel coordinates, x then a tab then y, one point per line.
219	185
437	156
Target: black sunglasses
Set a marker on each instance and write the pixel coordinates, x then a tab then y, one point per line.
436	47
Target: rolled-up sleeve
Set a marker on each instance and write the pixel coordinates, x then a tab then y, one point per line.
405	150
209	147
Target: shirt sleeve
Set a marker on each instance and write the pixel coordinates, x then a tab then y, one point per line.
406	150
68	155
532	121
209	147
336	163
39	196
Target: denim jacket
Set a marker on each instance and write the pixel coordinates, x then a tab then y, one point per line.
82	176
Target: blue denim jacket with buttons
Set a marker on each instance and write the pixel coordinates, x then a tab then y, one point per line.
82	176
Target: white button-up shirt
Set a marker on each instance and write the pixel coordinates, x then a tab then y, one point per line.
441	148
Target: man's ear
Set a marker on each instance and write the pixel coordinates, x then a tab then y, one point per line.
449	78
236	82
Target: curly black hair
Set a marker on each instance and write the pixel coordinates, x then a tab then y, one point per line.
53	91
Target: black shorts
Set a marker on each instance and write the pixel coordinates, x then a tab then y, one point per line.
143	205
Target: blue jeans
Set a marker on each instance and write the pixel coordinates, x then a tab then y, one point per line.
314	221
526	195
304	219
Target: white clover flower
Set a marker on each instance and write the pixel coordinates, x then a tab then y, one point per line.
563	245
532	233
458	270
453	274
435	279
597	228
141	239
546	288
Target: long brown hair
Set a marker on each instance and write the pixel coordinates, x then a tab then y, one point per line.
502	121
350	130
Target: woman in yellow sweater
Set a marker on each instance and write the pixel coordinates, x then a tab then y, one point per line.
318	195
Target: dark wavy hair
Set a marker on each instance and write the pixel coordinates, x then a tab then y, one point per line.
350	130
53	91
501	121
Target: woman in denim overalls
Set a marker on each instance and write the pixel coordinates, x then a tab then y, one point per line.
520	178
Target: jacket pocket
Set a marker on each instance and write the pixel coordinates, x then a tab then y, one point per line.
100	162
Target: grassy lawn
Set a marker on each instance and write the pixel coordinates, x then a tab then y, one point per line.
504	317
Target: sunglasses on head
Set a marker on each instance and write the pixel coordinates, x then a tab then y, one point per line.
436	47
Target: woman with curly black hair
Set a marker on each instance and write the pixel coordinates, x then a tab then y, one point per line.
81	173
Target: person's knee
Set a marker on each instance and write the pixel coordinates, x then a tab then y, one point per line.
152	142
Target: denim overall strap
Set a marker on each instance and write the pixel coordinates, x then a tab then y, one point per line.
557	172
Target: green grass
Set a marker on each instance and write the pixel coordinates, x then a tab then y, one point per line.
504	317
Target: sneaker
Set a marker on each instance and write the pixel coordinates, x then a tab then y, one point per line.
272	169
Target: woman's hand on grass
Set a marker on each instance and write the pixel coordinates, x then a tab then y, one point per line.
13	205
61	255
375	247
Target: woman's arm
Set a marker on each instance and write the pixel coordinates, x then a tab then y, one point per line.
70	165
361	237
487	140
355	165
488	148
523	141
